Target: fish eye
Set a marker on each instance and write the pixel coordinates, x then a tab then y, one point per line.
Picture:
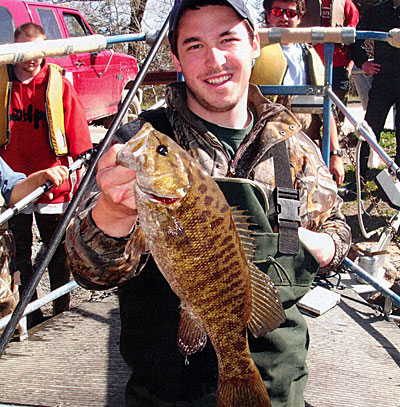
162	150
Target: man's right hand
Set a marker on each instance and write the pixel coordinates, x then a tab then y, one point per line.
115	211
371	68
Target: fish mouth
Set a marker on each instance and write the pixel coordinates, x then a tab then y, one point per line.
165	200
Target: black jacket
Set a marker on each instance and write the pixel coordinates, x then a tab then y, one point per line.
381	17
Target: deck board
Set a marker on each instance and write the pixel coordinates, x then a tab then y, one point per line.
73	359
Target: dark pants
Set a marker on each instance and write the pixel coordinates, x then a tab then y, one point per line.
383	94
280	357
340	86
160	377
21	226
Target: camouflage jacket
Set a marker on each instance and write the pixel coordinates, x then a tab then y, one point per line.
9	295
100	261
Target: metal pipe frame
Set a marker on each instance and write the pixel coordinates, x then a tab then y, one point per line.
60	231
372	281
363	127
34	305
23	308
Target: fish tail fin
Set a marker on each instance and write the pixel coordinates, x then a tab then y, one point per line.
239	393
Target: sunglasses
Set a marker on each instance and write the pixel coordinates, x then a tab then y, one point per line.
290	13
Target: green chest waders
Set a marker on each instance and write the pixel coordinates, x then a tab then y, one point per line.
280	355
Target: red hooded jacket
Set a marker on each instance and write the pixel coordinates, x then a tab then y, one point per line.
29	148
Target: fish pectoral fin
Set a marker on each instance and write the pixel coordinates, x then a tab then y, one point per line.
191	336
267	312
136	247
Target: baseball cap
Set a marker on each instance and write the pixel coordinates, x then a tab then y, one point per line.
181	5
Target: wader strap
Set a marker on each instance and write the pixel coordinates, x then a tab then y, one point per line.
287	202
159	120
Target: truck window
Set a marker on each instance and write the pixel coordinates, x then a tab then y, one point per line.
49	22
6	26
75	25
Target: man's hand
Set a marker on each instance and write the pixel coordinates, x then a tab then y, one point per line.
336	168
115	211
371	68
321	245
56	175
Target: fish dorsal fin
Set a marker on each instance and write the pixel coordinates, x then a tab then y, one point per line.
240	218
267	312
191	336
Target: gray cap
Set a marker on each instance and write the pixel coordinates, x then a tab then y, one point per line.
181	5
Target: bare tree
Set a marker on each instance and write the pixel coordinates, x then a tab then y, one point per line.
137	10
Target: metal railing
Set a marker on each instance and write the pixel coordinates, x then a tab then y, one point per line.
102	147
348	35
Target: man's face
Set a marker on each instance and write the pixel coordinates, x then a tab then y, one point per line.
283	14
215	57
30	67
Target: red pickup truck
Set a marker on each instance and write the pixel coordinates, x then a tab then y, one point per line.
101	79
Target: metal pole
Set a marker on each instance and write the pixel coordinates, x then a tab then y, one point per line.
59	233
326	130
125	38
21	204
34	305
366	132
372	281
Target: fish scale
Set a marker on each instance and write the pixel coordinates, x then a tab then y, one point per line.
200	276
193	239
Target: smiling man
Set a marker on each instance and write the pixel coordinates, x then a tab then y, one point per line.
216	65
235	133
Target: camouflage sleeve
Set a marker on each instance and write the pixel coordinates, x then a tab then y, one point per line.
99	261
340	232
320	207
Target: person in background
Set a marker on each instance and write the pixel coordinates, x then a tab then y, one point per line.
14	187
234	132
384	69
42	124
296	64
339	13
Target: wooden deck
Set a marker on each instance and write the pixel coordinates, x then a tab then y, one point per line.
73	359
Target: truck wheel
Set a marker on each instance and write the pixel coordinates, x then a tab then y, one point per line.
133	111
134	108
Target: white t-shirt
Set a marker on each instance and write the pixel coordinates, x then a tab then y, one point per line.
296	72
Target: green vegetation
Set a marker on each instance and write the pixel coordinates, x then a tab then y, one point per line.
374	218
388	143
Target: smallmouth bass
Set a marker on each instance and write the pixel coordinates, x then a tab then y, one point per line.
192	234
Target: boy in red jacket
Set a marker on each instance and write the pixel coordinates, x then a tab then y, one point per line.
46	125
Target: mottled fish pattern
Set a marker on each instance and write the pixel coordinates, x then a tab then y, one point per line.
192	233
